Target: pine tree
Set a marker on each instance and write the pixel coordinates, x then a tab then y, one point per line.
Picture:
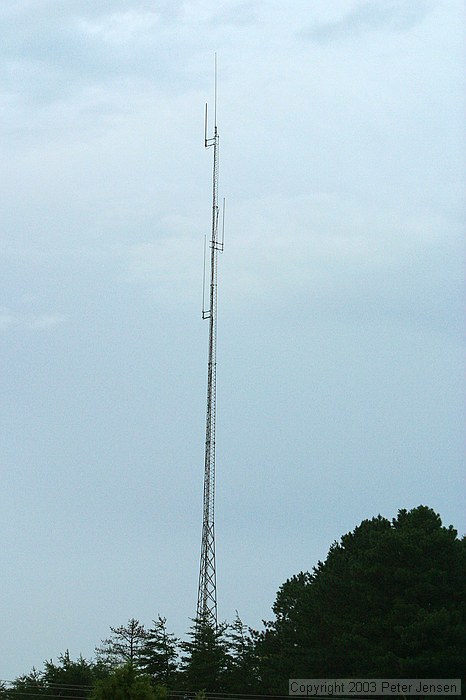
124	683
124	646
65	678
31	684
159	654
71	678
206	660
388	602
241	674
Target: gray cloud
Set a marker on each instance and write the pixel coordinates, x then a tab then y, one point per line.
49	53
32	321
368	16
239	14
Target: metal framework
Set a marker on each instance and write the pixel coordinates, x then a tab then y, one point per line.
207	591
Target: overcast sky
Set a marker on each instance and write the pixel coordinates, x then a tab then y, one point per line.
341	342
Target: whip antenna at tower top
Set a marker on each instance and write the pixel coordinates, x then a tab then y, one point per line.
215	93
210	141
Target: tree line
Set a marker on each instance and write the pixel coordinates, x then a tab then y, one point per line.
389	601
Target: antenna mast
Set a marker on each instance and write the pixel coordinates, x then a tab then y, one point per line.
207	591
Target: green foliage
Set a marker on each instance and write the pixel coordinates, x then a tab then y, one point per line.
66	678
241	674
124	683
387	602
30	684
161	692
124	646
206	659
159	653
77	677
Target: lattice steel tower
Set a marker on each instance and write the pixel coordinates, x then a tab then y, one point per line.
207	591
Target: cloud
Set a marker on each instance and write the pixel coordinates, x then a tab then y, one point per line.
171	267
45	321
368	16
14	319
7	319
49	53
344	259
243	14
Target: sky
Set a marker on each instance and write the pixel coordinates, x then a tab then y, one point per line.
340	332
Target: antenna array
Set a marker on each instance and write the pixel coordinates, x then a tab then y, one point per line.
207	591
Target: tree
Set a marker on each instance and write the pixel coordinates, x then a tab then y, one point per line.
65	678
389	601
159	654
241	672
30	684
71	678
206	660
124	683
124	646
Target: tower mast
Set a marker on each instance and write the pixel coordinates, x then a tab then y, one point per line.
207	591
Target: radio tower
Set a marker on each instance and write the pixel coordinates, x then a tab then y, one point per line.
207	591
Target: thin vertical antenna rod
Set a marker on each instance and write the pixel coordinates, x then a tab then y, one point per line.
207	591
215	93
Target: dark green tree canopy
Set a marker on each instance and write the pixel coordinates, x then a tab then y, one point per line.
77	677
159	653
241	673
65	678
124	683
387	602
205	658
